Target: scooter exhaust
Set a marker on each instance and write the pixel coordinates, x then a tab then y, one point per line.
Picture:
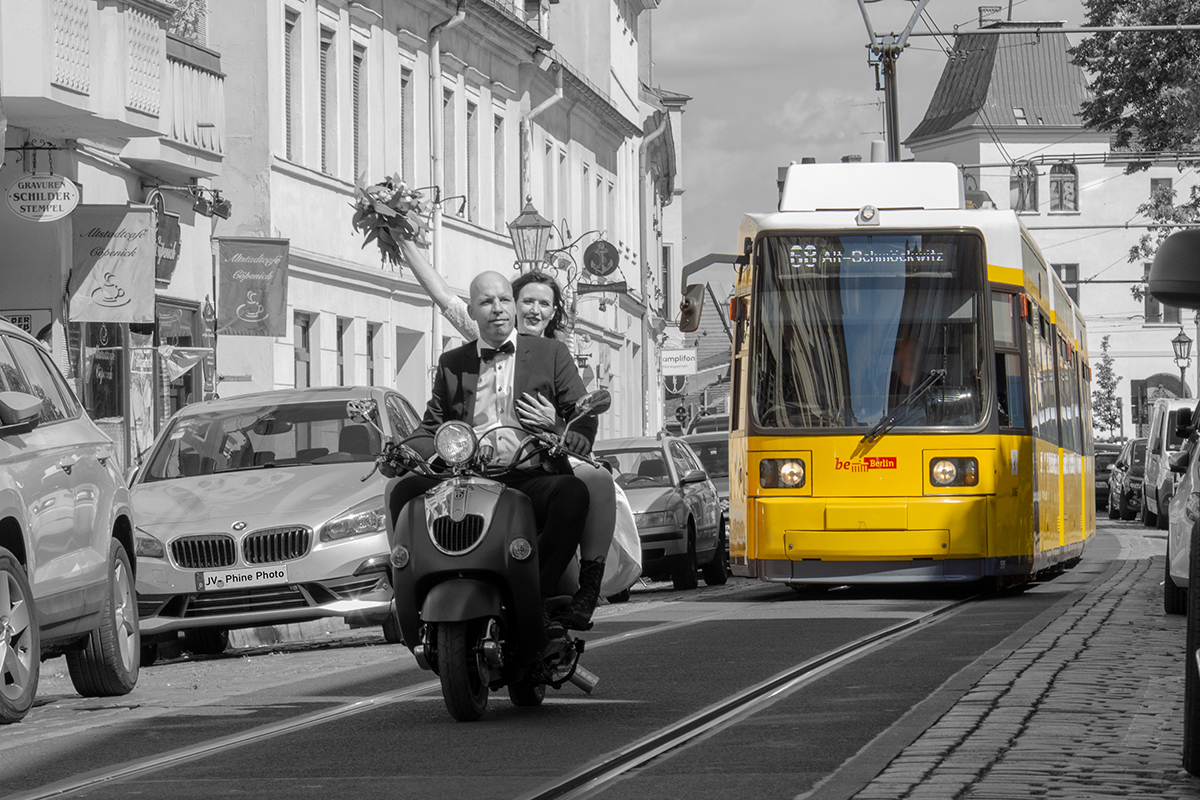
584	679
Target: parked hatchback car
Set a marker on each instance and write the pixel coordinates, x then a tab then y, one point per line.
66	537
254	511
1105	456
675	505
1125	481
1163	440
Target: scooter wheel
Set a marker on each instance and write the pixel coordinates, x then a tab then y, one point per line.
463	675
526	693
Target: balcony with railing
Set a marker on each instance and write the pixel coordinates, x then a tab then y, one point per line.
107	69
192	115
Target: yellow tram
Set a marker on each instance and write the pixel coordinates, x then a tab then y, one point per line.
910	398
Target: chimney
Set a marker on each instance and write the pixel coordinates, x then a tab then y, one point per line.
989	15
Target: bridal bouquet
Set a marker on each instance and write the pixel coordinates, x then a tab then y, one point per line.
387	212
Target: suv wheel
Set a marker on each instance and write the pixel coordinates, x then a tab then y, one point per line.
20	648
108	665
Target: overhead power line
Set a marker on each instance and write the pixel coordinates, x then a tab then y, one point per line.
1039	30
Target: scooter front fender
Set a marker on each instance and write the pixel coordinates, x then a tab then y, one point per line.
459	600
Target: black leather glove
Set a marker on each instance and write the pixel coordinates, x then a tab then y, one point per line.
577	443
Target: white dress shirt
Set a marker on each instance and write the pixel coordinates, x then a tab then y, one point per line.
494	402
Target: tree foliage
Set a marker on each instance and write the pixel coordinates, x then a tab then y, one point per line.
1146	91
1145	85
189	18
1106	403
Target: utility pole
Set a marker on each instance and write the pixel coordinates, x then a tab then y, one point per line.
887	47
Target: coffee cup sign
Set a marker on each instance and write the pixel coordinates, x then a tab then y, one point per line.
252	296
112	274
42	197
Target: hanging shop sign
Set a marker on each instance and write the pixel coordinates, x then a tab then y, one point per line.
617	287
679	362
112	274
42	197
601	259
252	287
166	246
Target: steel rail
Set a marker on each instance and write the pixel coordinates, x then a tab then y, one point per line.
608	768
182	755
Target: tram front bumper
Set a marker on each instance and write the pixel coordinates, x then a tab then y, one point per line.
871	529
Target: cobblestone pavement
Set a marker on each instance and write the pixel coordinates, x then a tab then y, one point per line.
1090	707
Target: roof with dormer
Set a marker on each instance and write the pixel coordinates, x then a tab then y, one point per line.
1006	81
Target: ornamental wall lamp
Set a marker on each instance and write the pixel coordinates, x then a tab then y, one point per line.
205	202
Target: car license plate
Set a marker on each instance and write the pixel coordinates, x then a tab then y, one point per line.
241	578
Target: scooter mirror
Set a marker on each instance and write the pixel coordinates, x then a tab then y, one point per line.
363	411
595	403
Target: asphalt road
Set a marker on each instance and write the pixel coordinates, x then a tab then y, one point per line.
661	657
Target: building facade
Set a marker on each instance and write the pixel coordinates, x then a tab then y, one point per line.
1007	110
484	105
101	93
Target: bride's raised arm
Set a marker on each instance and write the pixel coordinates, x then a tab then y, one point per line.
452	306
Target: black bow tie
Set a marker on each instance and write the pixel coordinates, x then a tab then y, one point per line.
489	354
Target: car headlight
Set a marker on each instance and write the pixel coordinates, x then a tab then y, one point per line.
654	519
146	546
954	472
364	518
455	442
781	473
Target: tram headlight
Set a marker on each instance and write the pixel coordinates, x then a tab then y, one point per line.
781	473
954	472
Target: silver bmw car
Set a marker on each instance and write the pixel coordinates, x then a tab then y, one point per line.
253	511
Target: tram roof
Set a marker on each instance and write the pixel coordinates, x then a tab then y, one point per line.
1005	238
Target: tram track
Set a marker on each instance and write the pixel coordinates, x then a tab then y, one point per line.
580	783
156	763
601	773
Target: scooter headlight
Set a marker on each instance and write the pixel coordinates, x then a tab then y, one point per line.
455	443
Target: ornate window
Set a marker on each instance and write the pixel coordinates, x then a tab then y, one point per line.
1064	188
1023	187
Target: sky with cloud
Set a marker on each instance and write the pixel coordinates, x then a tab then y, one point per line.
774	81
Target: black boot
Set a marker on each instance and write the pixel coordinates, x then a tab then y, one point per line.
579	616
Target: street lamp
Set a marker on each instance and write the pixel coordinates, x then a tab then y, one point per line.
1182	345
530	234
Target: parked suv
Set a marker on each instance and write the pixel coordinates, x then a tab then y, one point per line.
1163	440
1125	481
66	537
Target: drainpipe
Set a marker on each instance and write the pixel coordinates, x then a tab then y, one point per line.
527	137
436	144
643	254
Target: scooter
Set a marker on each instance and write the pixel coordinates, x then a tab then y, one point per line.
465	570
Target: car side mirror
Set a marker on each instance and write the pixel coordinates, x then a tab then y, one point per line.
1179	461
1175	274
693	476
19	412
690	307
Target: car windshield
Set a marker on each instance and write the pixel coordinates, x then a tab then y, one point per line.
714	456
1104	461
259	438
850	326
636	468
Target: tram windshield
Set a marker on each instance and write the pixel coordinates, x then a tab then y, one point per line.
849	327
